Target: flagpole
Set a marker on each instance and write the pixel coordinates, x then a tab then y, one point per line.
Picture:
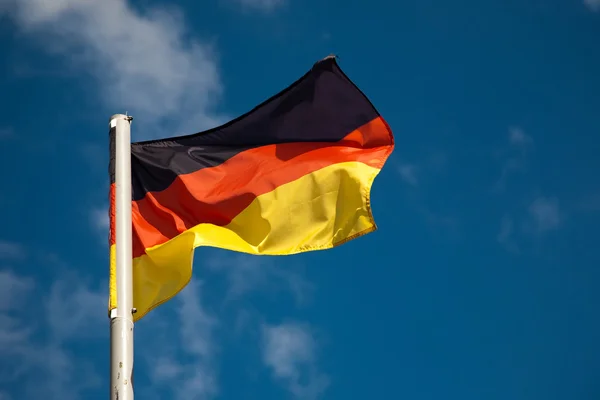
121	318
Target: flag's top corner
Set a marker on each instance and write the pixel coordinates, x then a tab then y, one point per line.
329	60
332	56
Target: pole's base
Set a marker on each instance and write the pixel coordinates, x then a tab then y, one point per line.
121	359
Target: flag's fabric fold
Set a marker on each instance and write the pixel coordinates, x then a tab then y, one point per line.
292	175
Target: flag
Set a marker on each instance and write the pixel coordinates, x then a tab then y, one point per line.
292	175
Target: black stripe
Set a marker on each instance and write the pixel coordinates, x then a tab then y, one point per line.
112	133
322	106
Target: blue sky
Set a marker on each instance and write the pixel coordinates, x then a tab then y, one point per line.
481	282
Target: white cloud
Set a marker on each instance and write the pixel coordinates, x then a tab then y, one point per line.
76	310
248	273
505	236
187	369
41	364
244	273
99	219
408	172
593	5
142	62
11	250
542	216
289	350
196	323
199	380
55	372
518	137
545	214
510	166
13	289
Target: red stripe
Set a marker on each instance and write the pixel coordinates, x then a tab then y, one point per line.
216	195
111	215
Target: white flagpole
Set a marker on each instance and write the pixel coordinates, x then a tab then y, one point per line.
121	318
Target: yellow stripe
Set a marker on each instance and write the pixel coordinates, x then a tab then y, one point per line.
318	211
112	283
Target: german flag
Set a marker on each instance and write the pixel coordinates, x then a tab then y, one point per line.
292	175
